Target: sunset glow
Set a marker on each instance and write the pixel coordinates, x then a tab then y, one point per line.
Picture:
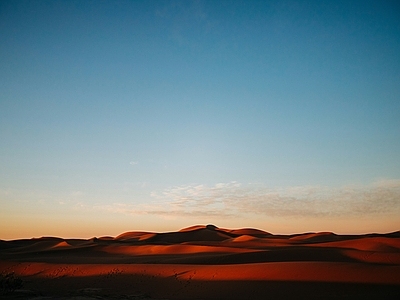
157	115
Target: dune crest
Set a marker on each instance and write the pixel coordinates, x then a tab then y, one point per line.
131	235
244	238
197	227
208	262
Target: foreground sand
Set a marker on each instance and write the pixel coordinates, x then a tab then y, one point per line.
204	262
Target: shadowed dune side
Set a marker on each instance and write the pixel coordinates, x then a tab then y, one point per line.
207	262
207	234
290	280
191	234
390	258
172	249
142	286
278	271
134	236
378	244
247	231
33	245
208	245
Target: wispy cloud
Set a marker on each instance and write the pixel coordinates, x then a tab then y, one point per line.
237	200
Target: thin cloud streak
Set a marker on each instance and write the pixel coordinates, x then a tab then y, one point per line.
233	199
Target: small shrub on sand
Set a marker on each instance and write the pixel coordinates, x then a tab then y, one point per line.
9	282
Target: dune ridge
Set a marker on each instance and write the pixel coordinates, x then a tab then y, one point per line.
202	254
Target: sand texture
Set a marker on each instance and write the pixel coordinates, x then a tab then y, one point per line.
203	262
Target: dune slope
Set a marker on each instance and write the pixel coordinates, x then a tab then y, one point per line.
205	262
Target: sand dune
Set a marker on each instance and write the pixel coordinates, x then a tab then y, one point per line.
206	262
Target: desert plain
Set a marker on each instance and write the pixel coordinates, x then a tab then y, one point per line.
203	262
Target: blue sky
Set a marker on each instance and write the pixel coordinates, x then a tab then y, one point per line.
160	114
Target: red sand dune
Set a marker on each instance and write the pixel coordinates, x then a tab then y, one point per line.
205	262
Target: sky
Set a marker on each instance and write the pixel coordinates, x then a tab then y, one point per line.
158	115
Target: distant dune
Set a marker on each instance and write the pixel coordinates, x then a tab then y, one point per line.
203	262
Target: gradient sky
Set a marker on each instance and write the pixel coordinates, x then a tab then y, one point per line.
158	115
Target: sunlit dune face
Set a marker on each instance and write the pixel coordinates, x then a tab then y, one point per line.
183	262
283	271
172	249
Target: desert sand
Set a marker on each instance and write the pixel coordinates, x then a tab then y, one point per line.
203	262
